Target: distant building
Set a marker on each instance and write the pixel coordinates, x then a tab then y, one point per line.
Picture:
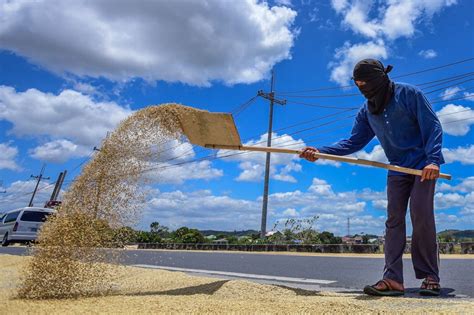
273	233
352	240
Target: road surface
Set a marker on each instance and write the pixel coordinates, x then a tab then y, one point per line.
345	274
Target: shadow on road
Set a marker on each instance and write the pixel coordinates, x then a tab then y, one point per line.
208	289
446	293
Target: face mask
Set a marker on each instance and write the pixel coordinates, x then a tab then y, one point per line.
378	88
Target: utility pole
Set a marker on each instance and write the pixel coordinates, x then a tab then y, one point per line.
348	226
38	180
57	186
1	185
271	97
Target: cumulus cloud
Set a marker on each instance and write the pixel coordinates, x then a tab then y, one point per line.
428	54
19	194
466	186
58	151
8	156
397	19
202	209
450	93
188	41
348	55
380	24
469	96
252	164
456	119
68	115
464	155
174	165
205	210
377	154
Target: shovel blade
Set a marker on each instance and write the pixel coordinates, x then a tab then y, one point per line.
206	128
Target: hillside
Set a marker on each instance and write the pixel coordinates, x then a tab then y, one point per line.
457	235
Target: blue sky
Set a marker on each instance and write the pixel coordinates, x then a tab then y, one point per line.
69	72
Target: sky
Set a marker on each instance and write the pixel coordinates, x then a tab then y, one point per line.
70	71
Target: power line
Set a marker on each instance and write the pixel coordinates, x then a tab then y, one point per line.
395	77
434	68
244	106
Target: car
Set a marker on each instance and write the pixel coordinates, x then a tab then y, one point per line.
22	225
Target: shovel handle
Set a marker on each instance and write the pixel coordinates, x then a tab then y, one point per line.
325	156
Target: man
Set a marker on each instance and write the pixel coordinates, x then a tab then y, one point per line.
410	134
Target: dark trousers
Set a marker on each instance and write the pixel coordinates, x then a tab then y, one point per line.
402	190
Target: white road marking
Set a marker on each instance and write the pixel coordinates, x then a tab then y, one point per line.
241	275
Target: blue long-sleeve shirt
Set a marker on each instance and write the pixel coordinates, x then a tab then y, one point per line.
408	130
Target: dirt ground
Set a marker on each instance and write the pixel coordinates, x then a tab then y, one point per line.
157	291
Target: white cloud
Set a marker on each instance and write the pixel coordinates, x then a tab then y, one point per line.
174	166
339	5
59	151
396	19
377	154
282	165
204	210
284	2
19	194
464	155
456	119
188	41
384	23
69	115
450	93
290	212
168	173
8	156
380	204
428	54
469	96
467	185
448	200
356	18
348	55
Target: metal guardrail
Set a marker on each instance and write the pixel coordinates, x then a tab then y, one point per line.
313	248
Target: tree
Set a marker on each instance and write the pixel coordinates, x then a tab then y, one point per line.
161	230
232	239
186	235
328	238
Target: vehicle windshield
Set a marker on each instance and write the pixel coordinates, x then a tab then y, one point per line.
35	216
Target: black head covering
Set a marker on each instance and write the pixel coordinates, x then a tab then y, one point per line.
378	89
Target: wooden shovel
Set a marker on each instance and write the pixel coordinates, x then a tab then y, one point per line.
218	131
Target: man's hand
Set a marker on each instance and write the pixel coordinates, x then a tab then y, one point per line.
430	172
308	153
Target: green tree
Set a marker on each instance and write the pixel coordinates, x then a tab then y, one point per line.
186	235
329	238
161	230
232	239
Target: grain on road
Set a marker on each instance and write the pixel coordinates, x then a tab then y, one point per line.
139	290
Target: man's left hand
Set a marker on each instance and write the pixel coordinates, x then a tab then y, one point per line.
430	172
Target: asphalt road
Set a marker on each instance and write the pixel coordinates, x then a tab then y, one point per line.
350	274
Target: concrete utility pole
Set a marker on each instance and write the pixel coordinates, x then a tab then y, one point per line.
38	180
348	226
271	97
1	185
57	186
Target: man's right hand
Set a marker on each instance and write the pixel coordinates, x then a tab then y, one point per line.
308	153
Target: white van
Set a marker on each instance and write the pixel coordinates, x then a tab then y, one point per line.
22	225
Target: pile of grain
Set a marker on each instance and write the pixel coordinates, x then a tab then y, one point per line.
68	262
151	291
